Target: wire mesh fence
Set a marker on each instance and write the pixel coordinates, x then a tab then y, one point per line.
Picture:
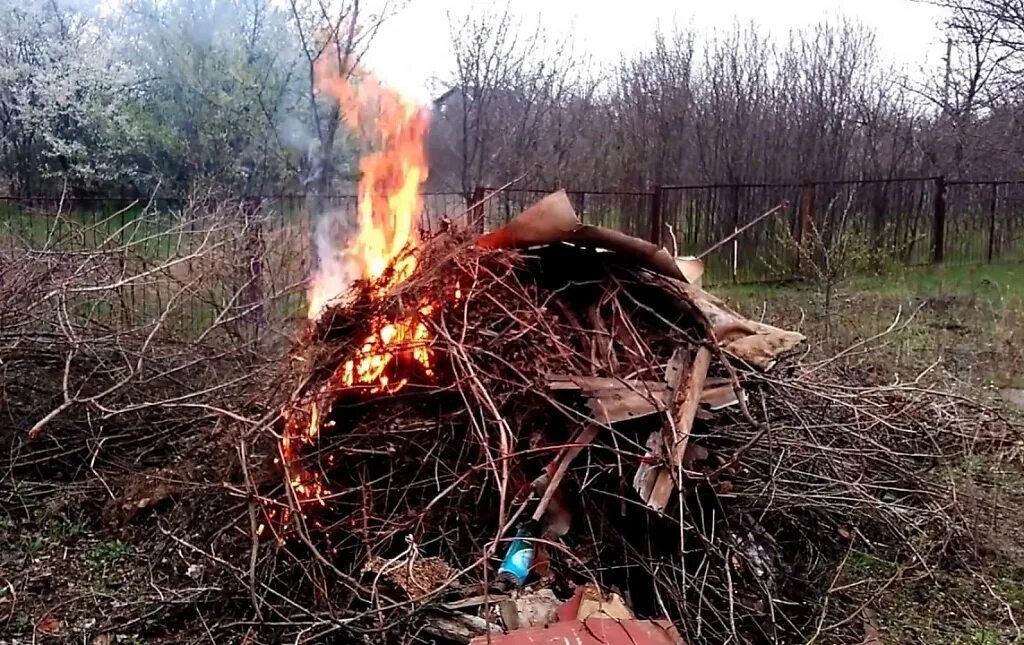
698	217
259	249
985	222
627	211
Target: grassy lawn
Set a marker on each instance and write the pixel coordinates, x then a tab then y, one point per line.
966	335
963	323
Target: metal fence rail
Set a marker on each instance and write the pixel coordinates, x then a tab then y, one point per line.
900	221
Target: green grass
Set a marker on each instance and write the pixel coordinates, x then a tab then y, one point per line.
999	284
968	336
860	565
87	226
105	554
61	529
767	252
975	597
969	319
35	545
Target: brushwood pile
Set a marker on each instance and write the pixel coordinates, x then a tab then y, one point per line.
548	432
576	388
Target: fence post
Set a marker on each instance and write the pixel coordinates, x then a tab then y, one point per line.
992	221
939	222
734	193
657	216
477	214
805	216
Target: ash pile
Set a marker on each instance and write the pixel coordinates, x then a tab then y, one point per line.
552	431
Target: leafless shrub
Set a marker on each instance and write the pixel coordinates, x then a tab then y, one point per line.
827	253
125	335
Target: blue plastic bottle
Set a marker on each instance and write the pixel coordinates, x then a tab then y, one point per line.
518	559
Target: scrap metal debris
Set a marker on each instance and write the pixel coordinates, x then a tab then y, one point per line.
590	616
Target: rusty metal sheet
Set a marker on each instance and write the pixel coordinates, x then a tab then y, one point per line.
594	631
553	219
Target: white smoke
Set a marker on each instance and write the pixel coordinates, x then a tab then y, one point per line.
336	266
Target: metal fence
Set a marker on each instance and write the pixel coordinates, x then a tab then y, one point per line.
627	211
902	222
896	222
893	220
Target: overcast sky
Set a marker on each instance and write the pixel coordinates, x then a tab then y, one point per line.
414	46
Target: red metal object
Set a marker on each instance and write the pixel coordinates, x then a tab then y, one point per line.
594	631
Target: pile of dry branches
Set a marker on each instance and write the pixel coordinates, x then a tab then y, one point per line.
560	354
123	335
403	502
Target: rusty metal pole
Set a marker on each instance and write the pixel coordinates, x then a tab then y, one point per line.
993	197
805	217
477	214
657	216
735	195
939	222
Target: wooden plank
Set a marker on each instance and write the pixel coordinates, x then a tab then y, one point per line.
574	382
717	397
677	368
578	382
583	439
615	406
613	400
686	399
646	475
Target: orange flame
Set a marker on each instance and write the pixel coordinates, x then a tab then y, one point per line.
389	210
388	216
377	353
389	199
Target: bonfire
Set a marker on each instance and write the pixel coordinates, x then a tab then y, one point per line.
548	375
569	393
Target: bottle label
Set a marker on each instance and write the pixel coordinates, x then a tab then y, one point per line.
518	560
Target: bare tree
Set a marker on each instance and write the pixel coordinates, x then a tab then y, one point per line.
654	104
514	102
979	78
735	107
342	31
